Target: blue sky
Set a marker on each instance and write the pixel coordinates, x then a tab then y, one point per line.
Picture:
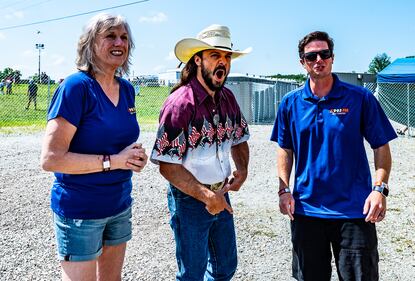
360	28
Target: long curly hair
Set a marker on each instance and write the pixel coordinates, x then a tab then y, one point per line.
188	72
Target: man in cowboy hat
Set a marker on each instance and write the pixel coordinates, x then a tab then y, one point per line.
201	124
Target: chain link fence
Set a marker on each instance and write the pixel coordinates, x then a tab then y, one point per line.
398	102
25	104
259	98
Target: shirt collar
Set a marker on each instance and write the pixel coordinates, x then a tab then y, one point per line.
335	91
201	94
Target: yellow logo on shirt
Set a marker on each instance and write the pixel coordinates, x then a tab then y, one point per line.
131	110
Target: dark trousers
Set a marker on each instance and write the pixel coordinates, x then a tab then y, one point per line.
353	242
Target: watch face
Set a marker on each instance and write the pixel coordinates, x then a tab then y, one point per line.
382	189
385	191
106	164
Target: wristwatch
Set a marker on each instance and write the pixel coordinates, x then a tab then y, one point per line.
106	163
382	188
283	191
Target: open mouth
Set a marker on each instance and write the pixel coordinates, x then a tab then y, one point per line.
219	73
117	53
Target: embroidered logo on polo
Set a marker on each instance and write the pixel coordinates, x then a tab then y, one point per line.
207	135
131	110
339	111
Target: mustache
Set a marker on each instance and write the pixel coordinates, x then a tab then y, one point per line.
219	67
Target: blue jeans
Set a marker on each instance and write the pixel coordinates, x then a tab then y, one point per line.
353	243
205	243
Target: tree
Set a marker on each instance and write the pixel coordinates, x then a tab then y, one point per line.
44	78
9	73
300	78
379	62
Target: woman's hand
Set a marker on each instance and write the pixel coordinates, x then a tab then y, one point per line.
133	157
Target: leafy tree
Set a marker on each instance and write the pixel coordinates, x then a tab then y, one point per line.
379	62
44	78
9	73
297	77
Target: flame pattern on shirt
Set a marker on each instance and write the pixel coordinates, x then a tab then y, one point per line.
192	138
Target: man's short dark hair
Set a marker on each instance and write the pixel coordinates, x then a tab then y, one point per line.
316	35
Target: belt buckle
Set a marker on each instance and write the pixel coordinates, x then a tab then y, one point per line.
217	186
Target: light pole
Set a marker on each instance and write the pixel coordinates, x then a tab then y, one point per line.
40	47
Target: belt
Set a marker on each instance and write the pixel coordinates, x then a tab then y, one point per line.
216	186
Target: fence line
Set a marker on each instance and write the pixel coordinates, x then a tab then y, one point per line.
259	99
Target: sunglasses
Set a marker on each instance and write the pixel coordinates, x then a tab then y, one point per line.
312	56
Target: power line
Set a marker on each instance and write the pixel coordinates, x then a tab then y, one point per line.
12	4
71	16
34	5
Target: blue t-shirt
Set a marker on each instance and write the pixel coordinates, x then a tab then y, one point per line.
332	175
102	128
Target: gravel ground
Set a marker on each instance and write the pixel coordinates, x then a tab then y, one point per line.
27	245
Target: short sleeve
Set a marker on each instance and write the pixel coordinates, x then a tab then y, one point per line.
171	141
281	132
241	133
376	127
68	101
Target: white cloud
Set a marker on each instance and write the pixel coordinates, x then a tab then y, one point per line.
159	68
57	60
156	18
14	15
170	56
2	36
28	53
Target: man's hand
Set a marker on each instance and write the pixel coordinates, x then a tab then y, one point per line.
238	179
375	207
287	205
217	202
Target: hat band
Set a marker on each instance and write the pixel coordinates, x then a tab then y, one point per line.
223	47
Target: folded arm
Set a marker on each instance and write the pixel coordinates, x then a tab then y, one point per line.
56	157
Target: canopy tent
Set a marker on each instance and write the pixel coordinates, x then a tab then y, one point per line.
400	71
396	91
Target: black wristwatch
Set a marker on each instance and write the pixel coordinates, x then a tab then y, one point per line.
382	188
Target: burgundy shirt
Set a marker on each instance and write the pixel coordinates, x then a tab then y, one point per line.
198	132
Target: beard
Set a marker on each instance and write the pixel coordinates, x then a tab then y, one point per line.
208	77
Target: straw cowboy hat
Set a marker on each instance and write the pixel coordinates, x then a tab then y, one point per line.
214	37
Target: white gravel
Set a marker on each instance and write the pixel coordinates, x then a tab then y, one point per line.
27	245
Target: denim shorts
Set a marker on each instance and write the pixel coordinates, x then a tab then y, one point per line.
82	240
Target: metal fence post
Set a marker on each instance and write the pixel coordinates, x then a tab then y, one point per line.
408	115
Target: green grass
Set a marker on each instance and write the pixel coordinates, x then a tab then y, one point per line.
149	102
12	107
14	114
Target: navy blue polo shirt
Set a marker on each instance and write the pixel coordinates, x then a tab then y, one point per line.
101	128
332	175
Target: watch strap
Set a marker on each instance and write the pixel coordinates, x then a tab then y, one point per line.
382	188
283	191
106	163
